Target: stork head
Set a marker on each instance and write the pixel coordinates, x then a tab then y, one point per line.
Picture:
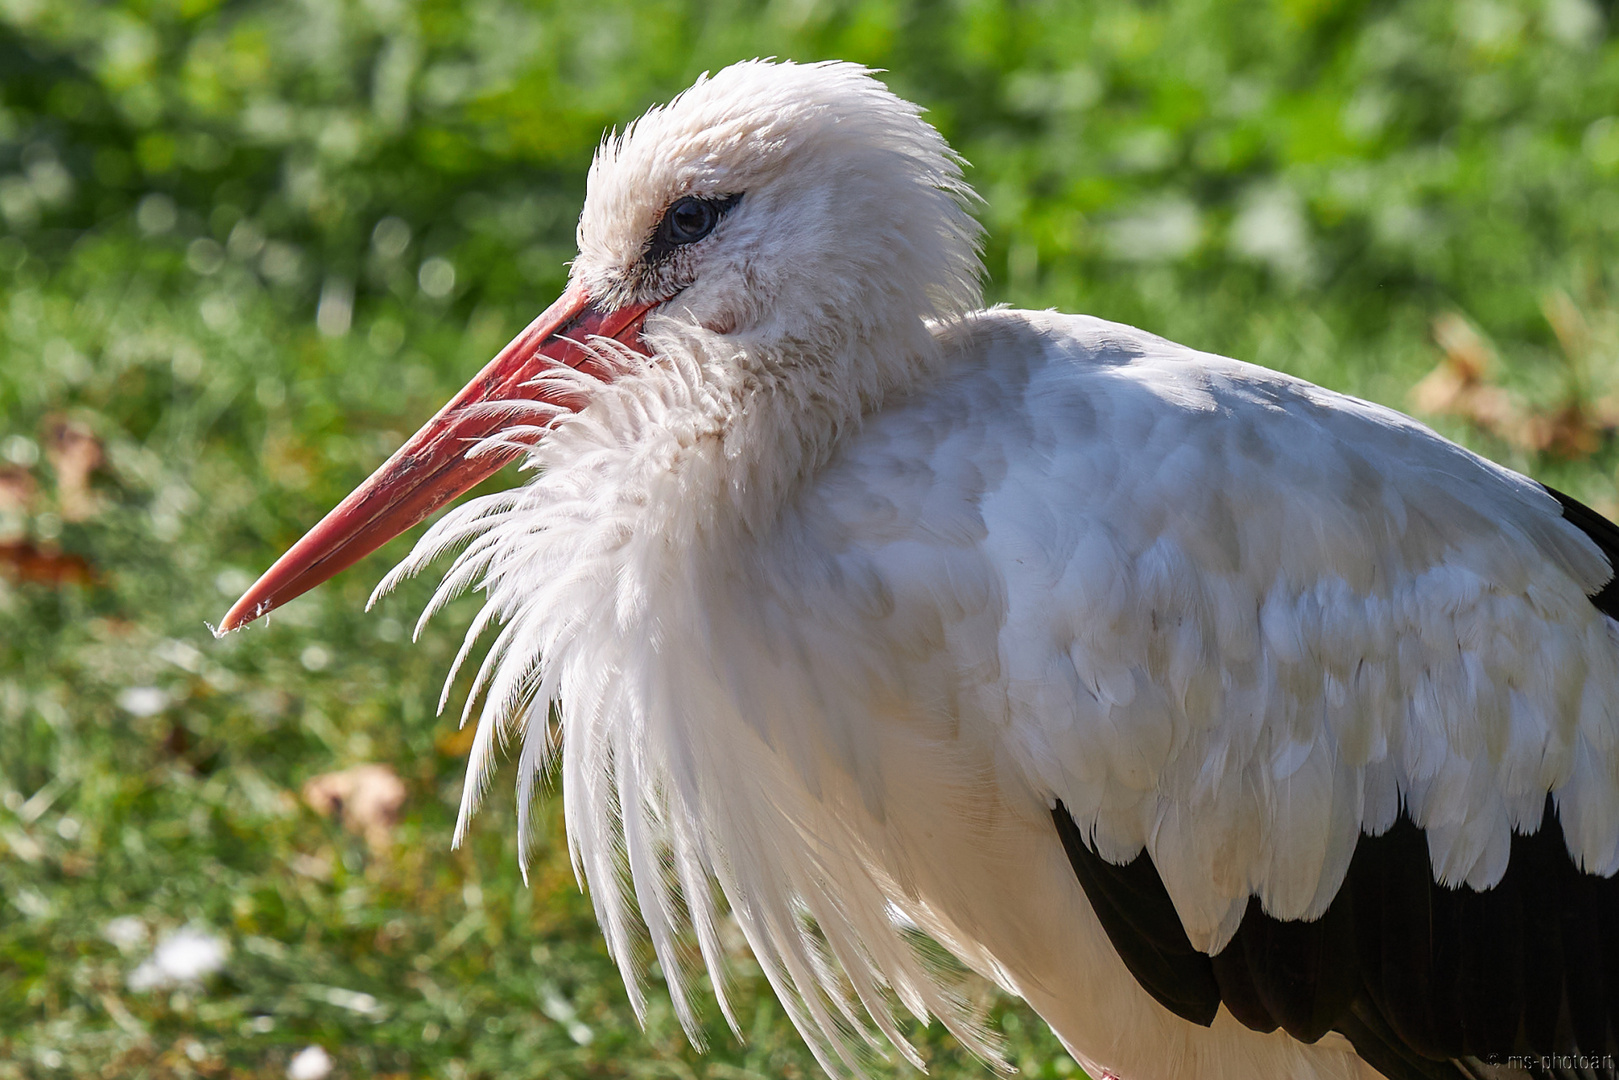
798	211
781	202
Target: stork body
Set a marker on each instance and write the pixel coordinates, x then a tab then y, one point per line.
1242	728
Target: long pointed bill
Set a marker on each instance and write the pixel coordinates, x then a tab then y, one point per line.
432	467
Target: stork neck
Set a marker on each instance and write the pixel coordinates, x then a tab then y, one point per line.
798	400
708	443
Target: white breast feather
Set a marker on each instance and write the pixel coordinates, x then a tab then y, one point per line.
691	749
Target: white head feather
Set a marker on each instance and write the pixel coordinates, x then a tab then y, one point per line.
850	224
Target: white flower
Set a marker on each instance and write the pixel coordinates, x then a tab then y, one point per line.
126	931
310	1063
143	700
189	955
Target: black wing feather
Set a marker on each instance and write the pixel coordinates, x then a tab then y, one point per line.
1603	533
1139	919
1419	977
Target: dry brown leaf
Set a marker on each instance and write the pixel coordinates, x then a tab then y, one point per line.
17	489
1570	432
74	452
1460	386
39	565
366	799
1465	348
1439	390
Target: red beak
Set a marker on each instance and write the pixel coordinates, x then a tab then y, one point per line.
432	468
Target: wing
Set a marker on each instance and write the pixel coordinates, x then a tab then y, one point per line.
1326	706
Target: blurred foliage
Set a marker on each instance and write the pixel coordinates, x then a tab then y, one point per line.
247	245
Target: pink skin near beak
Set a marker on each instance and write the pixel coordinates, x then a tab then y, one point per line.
432	468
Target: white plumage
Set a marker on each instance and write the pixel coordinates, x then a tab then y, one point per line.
840	587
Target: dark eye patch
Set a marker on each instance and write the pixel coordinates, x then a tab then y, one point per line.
688	220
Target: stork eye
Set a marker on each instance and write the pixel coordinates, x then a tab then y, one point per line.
689	220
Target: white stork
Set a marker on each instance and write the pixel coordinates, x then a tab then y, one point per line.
1242	728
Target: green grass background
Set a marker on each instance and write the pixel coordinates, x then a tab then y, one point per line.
1303	183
